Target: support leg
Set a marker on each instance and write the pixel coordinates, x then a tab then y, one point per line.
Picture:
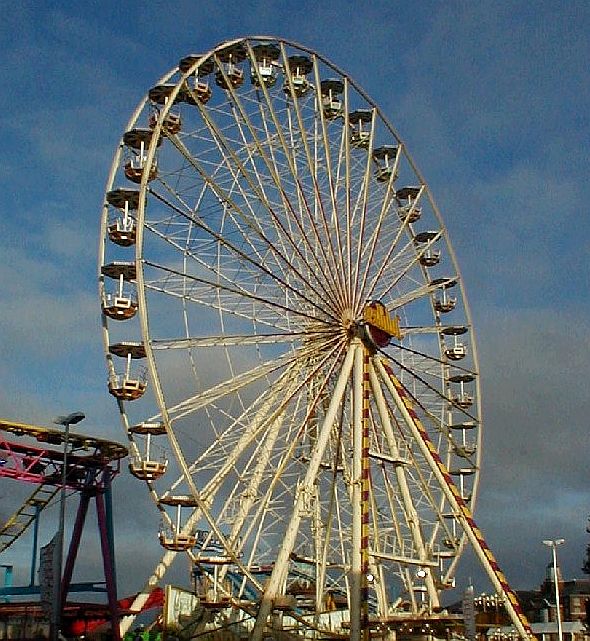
108	565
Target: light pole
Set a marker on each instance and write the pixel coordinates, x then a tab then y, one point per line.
553	545
66	421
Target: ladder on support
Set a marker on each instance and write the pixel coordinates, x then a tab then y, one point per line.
18	522
405	404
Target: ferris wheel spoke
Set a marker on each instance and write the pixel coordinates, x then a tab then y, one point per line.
432	389
412	263
233	444
419	292
209	293
226	339
281	259
302	225
229	386
267	414
238	382
287	151
430	357
257	264
324	243
384	262
189	254
347	185
286	547
250	493
262	462
360	210
258	186
237	168
326	156
370	256
402	262
410	512
413	330
282	227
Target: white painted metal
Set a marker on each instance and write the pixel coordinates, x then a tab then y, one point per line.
281	565
468	528
410	512
261	234
356	579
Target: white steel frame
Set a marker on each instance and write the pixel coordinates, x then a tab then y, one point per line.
259	243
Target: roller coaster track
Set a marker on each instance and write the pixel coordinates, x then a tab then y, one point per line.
18	523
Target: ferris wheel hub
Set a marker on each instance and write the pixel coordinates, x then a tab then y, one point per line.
379	327
348	319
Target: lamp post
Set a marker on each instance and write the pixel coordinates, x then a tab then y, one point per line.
66	421
553	545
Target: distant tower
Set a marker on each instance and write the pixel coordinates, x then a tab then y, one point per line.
549	574
548	592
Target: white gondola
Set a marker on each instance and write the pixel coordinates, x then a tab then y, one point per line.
130	384
466	450
160	95
145	466
122	231
299	68
172	123
139	140
197	90
331	90
360	128
173	538
134	169
121	225
230	75
458	350
456	353
408	209
443	303
121	304
264	65
428	257
384	158
147	469
461	398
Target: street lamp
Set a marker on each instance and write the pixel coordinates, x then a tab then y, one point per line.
66	421
553	545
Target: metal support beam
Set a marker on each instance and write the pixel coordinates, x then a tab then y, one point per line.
355	578
108	565
463	514
38	509
280	569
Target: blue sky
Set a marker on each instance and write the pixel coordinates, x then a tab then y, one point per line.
493	102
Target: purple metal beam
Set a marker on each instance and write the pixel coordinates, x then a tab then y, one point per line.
108	564
75	544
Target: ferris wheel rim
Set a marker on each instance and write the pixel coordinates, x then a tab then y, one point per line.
149	341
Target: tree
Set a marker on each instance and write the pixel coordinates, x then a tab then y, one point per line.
586	566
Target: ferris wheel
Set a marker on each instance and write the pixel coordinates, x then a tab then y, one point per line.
288	338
